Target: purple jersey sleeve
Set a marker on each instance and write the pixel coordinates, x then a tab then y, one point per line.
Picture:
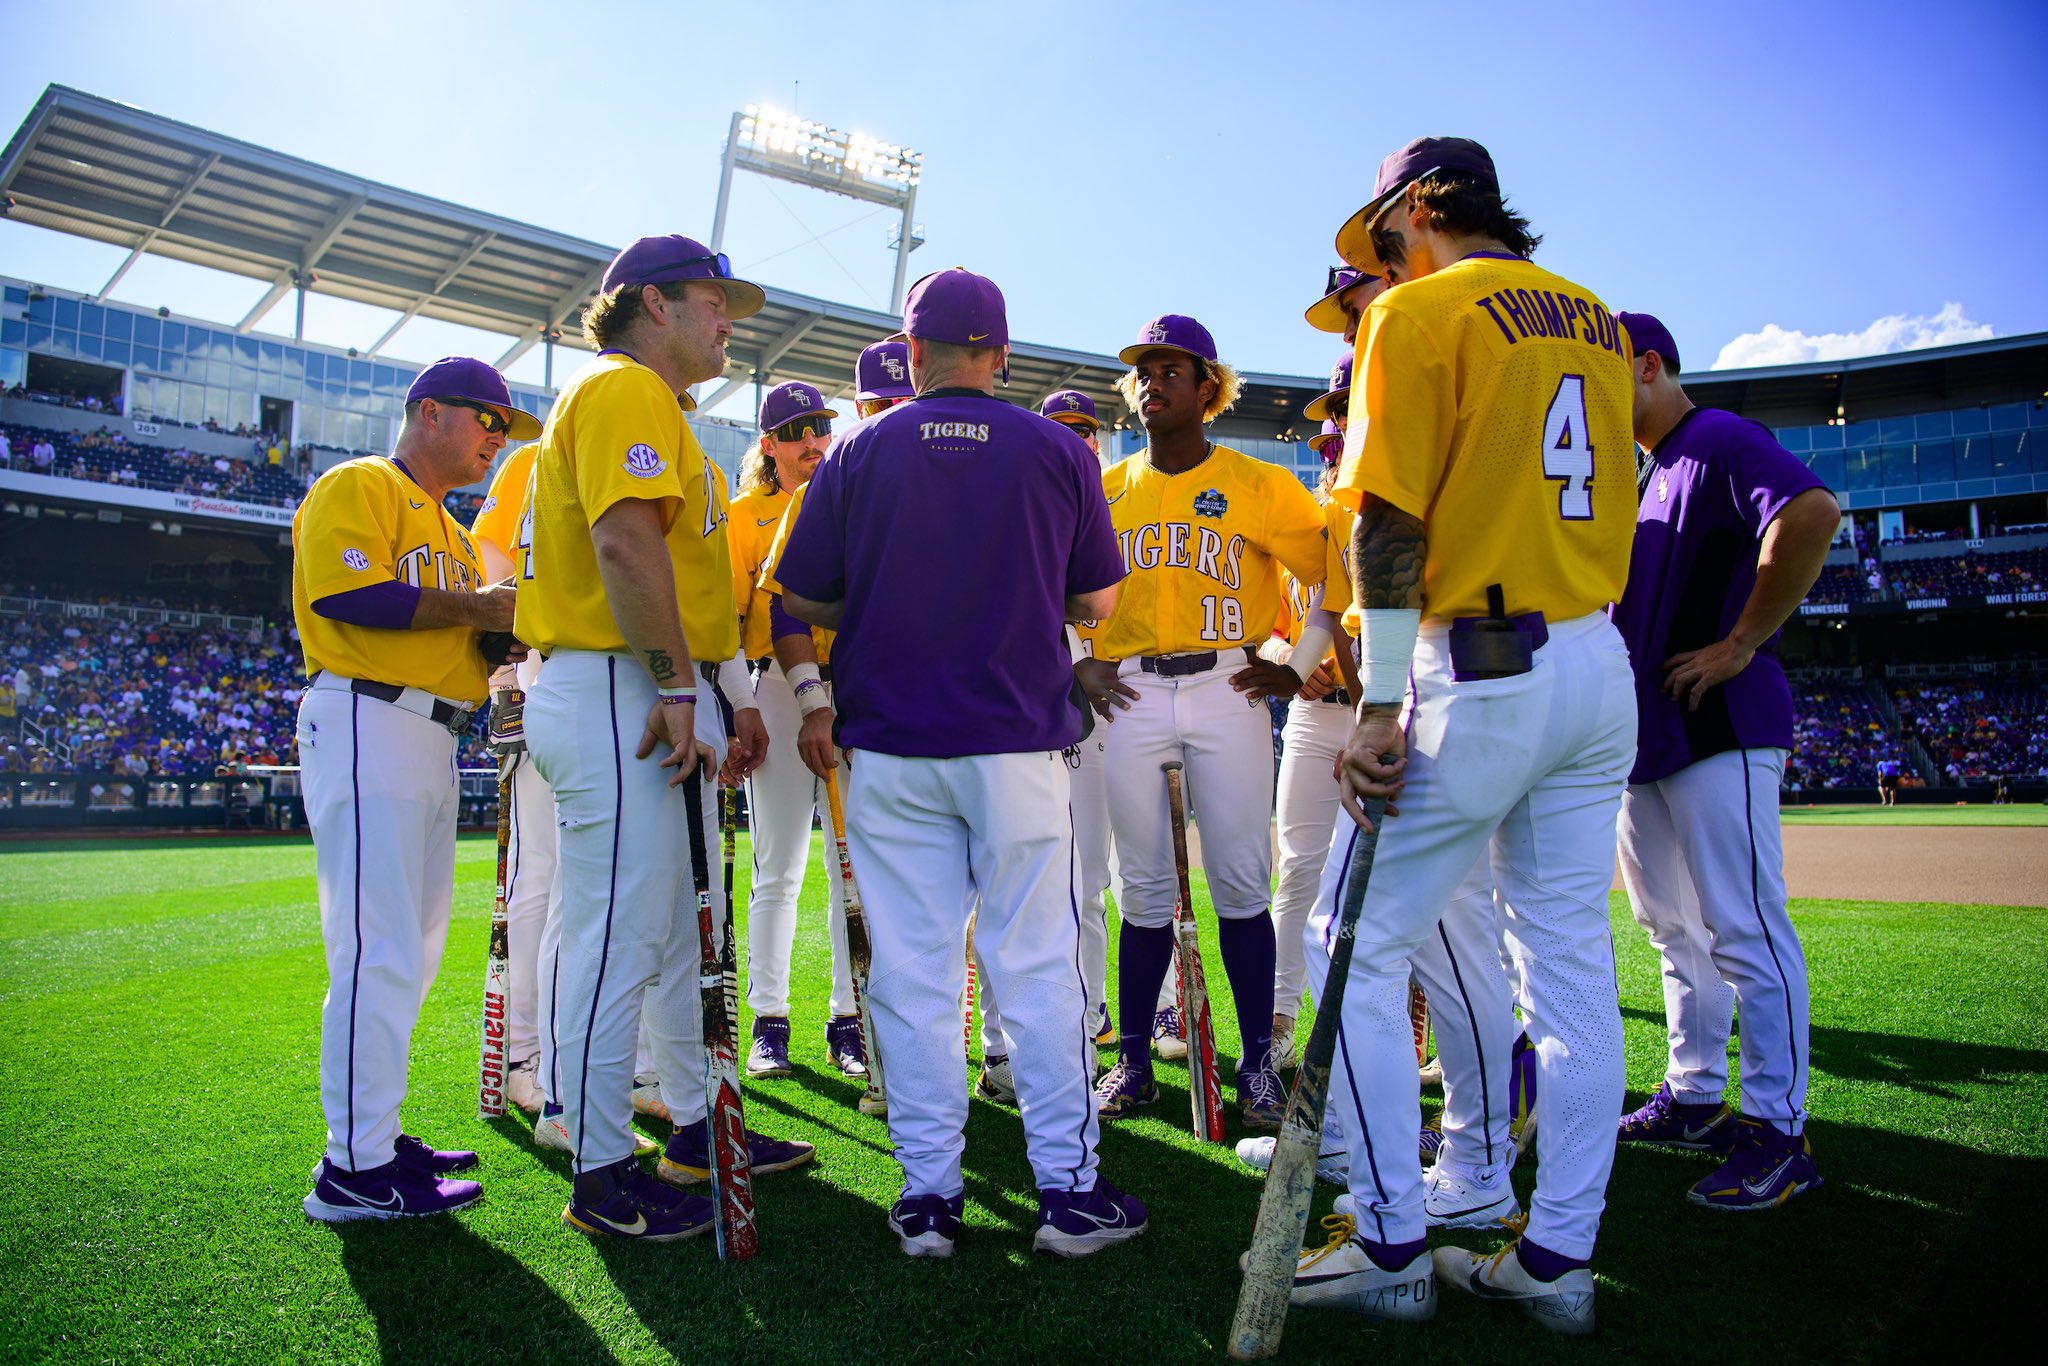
1763	476
1095	562
813	564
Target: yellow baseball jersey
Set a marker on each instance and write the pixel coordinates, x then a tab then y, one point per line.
756	517
617	432
1497	409
1204	550
366	522
1338	523
504	511
770	585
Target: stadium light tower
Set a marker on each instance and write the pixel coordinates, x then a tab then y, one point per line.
784	147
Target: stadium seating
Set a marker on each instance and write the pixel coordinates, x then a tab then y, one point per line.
1976	731
108	457
1971	573
1838	735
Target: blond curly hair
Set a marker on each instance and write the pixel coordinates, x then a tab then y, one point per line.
1228	386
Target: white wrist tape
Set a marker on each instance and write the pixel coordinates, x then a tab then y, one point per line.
809	689
1276	650
1310	651
1386	652
735	684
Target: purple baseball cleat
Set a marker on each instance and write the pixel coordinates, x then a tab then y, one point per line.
1262	1098
1076	1223
769	1054
687	1157
927	1225
1767	1168
844	1046
1430	1142
1666	1120
392	1191
1124	1088
1105	1029
623	1201
413	1153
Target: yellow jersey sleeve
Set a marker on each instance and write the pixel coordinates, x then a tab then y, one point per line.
1339	595
1497	410
365	522
497	521
770	585
755	517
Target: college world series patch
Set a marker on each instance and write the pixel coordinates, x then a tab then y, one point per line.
1211	503
644	462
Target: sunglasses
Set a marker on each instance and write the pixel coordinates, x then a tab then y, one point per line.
490	419
799	428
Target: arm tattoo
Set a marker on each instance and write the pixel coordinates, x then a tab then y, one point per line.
1387	551
661	666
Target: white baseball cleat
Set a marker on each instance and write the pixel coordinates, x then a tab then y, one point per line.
996	1081
647	1096
1257	1153
552	1131
522	1085
1468	1198
1339	1275
1166	1039
1431	1075
1564	1305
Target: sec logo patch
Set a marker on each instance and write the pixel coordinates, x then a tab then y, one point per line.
644	462
355	559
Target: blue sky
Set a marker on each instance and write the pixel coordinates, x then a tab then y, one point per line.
1815	179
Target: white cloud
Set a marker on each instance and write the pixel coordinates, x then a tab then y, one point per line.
1775	345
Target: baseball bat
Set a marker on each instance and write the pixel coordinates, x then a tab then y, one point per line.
1205	1092
860	952
732	1178
1418	1020
729	821
490	1094
967	1004
1291	1179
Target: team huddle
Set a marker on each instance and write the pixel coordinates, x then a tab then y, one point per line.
1524	627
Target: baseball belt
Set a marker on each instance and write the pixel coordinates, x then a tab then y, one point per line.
419	703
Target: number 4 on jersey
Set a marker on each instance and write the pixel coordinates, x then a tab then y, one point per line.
1568	449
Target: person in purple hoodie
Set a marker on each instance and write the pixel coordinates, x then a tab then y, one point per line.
1731	533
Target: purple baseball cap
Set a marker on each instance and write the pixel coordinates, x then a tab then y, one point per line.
1645	333
664	260
1323	405
955	306
1069	403
883	371
1326	314
1172	332
790	400
1328	443
1420	158
472	381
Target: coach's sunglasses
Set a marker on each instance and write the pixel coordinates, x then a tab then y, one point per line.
798	428
490	419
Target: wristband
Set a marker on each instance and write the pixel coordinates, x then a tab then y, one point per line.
1275	650
1386	652
677	699
801	674
1310	651
810	697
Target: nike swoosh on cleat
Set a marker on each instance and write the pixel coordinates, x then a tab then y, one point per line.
1470	1209
1326	1277
632	1230
1759	1189
396	1202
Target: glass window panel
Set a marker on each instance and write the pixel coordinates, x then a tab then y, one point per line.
145	358
379	434
359	373
1795	438
64	344
195	342
12	331
14	294
352	431
1827	467
1936	460
217	407
386	382
2006	455
92	320
2040	419
148	331
1862	469
174	335
13	368
2008	417
120	324
38	335
1931	424
314	365
67	314
246	351
1971	421
217	373
1895	429
42	310
192	403
88	347
272	354
1859	434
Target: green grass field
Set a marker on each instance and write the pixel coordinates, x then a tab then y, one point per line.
158	1094
1976	813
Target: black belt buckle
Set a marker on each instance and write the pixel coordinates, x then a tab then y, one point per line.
1495	645
1178	666
1337	697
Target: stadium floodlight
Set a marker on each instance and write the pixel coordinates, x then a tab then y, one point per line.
769	142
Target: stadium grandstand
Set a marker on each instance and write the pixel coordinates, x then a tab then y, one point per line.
151	464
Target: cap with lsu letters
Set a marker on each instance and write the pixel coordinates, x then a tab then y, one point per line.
1324	405
664	260
883	371
790	400
955	306
1645	333
1070	406
1420	158
1327	313
1171	332
473	381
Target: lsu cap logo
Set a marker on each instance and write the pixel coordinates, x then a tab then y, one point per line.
893	366
799	398
355	559
1072	401
644	462
1156	332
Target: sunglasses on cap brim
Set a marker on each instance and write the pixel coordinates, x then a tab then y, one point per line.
490	419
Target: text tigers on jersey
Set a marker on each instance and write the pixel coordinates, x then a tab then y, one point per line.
1182	545
412	565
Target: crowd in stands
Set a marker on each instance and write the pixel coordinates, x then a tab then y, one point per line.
1971	573
1976	731
1838	735
109	457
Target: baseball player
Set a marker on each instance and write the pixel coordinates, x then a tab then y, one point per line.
1732	533
782	794
627	588
1204	531
1090	800
1493	482
390	605
881	377
991	518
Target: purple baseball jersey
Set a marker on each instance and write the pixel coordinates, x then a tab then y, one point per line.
954	527
1712	485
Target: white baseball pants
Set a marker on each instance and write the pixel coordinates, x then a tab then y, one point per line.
931	840
1531	767
382	800
529	881
629	909
1306	813
782	796
1704	861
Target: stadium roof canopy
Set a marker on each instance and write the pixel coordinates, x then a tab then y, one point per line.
99	169
1879	386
